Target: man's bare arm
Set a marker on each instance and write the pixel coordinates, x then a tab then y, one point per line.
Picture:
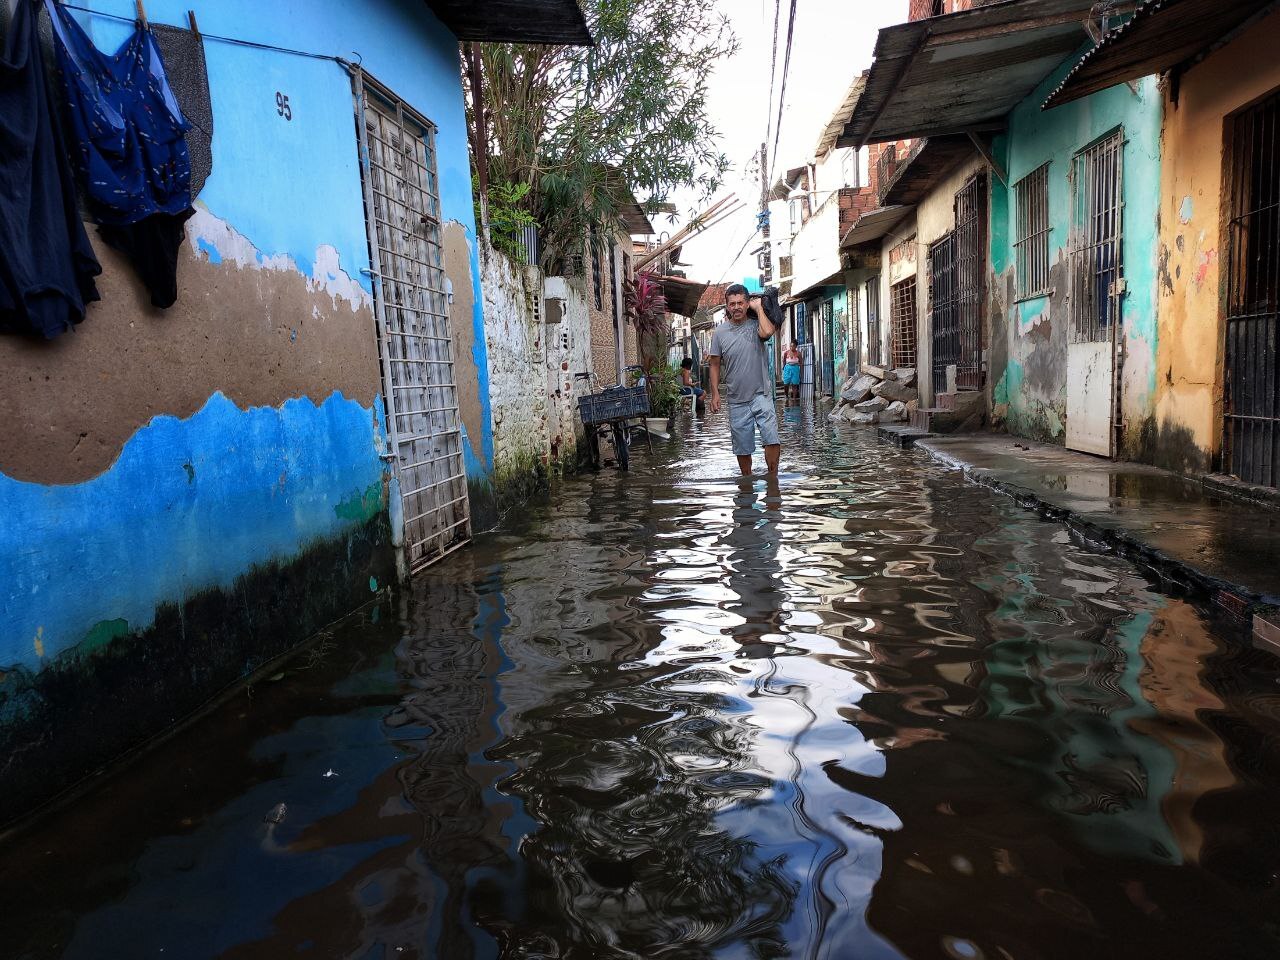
715	383
764	328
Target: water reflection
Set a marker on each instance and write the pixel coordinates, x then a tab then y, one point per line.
870	711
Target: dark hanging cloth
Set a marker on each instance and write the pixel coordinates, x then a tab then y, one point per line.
132	149
47	265
184	65
772	309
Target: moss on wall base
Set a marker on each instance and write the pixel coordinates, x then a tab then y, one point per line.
116	690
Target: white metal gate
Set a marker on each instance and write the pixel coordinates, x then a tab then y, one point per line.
1097	291
402	210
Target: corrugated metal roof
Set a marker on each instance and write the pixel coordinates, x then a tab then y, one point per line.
873	225
682	294
1160	35
515	21
963	71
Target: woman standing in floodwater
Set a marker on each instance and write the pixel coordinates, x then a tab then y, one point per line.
791	371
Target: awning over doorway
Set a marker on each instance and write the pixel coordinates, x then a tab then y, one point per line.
515	21
873	225
963	72
933	160
1160	35
682	294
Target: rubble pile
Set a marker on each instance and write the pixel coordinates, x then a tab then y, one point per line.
868	398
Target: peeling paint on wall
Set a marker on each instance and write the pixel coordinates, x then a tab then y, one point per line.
267	481
1183	427
217	241
1035	367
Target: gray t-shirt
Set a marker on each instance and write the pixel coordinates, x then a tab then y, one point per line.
744	360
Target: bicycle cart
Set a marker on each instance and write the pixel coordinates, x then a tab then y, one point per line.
607	412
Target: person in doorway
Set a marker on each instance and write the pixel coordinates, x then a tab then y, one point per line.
740	362
687	387
791	371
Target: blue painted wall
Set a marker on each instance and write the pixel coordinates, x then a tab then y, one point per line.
288	186
189	505
197	504
1030	366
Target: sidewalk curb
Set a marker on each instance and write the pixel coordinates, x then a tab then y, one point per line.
1174	575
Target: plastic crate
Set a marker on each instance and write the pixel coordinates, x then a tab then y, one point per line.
613	404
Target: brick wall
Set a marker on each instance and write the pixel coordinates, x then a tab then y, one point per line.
853	204
921	9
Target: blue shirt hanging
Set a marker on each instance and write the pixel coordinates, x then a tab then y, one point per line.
132	148
130	132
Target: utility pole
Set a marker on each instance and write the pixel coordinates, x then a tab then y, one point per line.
766	272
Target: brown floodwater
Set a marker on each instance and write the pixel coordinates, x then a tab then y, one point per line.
871	712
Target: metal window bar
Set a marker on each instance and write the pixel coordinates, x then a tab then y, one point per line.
875	337
402	209
1032	244
971	284
1251	449
1097	279
597	285
902	322
527	238
944	313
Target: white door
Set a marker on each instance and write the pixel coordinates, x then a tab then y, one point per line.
1097	294
1090	371
402	207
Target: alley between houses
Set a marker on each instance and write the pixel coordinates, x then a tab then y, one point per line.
876	711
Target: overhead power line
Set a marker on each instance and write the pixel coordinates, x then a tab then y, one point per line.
773	70
782	94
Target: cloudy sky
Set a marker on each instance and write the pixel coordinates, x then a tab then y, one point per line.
832	42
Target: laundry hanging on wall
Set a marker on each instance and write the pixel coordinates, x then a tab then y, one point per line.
47	264
130	147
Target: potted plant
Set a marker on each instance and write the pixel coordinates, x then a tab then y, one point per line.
646	310
664	396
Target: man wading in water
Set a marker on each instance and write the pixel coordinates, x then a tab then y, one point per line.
738	355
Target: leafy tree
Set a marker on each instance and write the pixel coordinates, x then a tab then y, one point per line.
587	127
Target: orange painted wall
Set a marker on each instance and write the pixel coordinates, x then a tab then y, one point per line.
1187	428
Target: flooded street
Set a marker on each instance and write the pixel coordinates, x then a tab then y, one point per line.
873	712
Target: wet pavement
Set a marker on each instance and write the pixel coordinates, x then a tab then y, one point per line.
1228	543
873	712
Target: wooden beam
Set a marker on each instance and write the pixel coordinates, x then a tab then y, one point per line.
893	85
981	145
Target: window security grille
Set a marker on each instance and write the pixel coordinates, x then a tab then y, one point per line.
1032	246
902	319
1097	284
1252	427
875	338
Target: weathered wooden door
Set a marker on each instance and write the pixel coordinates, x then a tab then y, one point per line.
402	209
1097	293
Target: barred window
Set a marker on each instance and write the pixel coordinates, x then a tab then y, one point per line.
875	342
1032	244
597	281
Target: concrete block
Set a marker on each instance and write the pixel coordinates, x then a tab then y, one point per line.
874	405
896	412
906	376
860	389
894	390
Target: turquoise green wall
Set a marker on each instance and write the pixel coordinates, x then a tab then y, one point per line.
843	326
1029	366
